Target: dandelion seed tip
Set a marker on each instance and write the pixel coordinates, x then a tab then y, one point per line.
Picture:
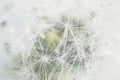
67	25
45	58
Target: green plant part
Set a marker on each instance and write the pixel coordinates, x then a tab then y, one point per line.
51	38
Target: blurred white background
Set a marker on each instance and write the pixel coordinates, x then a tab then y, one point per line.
16	15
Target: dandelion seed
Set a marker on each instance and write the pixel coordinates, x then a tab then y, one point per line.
45	59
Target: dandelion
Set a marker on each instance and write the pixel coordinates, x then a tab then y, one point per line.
64	47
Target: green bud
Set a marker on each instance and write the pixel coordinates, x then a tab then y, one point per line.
51	38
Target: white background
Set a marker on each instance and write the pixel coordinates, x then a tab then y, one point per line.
20	13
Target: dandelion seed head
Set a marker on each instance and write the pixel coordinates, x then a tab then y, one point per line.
61	47
45	59
67	25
